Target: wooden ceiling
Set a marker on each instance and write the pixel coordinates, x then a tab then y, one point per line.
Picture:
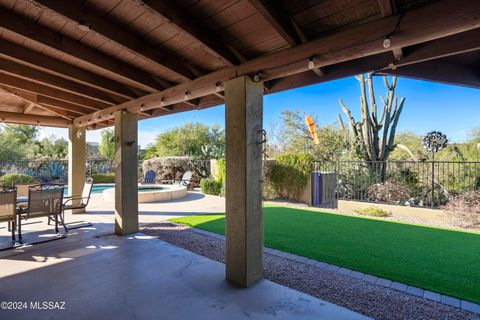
77	62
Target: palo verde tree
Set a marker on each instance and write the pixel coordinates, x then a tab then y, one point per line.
372	137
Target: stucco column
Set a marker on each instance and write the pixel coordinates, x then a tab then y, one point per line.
244	228
126	175
76	163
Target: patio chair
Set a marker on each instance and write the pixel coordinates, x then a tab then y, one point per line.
44	200
185	181
150	177
8	208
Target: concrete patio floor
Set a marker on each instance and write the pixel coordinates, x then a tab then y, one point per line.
102	276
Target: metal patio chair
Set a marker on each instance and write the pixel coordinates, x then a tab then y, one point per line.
77	202
8	208
44	200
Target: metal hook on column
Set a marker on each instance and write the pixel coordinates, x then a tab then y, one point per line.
263	142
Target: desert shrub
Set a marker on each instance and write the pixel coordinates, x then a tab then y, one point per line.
12	179
373	212
288	175
103	178
211	186
465	208
390	192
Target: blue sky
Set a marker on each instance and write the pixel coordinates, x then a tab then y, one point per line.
454	110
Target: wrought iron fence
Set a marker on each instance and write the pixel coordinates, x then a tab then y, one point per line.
57	170
413	183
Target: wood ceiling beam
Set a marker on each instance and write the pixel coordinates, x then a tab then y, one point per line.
27	73
452	45
387	7
32	102
427	23
74	10
31	119
44	63
22	84
271	11
439	71
193	27
111	66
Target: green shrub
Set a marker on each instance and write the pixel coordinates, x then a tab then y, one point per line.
373	212
288	175
222	170
12	179
211	186
103	178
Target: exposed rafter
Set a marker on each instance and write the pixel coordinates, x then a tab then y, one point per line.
279	21
444	47
193	27
387	7
419	25
96	22
439	71
33	31
22	71
44	63
22	84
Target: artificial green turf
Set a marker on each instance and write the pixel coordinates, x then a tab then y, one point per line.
446	261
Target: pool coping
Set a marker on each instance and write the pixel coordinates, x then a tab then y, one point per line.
386	283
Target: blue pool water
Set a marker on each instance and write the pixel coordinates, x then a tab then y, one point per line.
96	188
99	188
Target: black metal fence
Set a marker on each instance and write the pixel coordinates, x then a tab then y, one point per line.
413	183
48	170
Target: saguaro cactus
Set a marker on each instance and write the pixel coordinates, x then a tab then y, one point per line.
373	136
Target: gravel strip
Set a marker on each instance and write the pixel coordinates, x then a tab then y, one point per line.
358	295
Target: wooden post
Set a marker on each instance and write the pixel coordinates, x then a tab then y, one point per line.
76	163
244	229
126	175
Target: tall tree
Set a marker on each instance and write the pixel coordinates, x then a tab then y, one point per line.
373	136
192	139
107	144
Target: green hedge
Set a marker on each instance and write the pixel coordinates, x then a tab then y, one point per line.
211	186
12	179
103	178
288	175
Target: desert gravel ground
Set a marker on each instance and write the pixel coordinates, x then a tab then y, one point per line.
357	295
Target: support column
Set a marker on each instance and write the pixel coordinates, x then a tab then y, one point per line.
244	227
126	175
76	163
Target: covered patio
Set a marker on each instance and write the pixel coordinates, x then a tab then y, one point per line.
87	65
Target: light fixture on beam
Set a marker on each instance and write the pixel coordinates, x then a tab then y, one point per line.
82	25
187	95
219	87
142	107
387	42
311	64
162	101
